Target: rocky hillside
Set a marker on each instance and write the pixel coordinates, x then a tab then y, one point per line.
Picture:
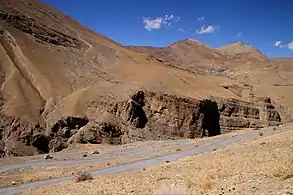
187	54
62	83
240	48
254	74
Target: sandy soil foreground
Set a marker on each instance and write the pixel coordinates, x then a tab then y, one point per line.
262	164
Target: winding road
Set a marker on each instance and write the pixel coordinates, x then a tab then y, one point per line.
127	151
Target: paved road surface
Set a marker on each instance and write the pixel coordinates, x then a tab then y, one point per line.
205	146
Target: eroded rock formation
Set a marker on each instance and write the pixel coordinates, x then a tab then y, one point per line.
149	115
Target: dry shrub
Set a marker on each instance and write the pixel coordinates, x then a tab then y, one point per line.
170	191
189	184
256	129
206	185
287	176
283	172
83	176
260	133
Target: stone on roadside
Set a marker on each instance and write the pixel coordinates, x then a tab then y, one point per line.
48	156
95	152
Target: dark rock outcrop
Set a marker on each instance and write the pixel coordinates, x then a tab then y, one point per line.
237	114
147	115
63	129
87	134
152	115
41	142
172	117
104	130
2	152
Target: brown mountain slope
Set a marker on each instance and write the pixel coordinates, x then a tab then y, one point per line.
237	61
192	55
285	64
240	48
62	83
188	54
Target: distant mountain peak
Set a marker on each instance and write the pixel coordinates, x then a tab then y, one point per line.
241	43
192	40
240	47
188	41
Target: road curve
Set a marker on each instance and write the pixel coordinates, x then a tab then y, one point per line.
138	164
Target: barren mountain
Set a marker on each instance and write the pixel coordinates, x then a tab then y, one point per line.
241	48
254	73
187	54
62	83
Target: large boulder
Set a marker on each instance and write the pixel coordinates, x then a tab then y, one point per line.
57	144
68	123
107	129
132	111
86	134
63	130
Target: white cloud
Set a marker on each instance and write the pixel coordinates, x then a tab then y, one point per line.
168	17
159	22
180	29
200	18
280	45
239	34
150	24
207	29
290	46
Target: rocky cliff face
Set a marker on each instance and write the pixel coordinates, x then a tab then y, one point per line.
148	115
237	114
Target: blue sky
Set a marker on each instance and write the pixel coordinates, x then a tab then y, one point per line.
265	24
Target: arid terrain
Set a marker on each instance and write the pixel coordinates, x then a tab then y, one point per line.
65	84
66	90
242	162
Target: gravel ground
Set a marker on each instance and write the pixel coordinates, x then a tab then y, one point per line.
129	157
262	164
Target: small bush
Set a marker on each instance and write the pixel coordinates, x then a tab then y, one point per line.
287	176
189	184
170	191
179	149
83	176
260	133
262	143
206	186
283	172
